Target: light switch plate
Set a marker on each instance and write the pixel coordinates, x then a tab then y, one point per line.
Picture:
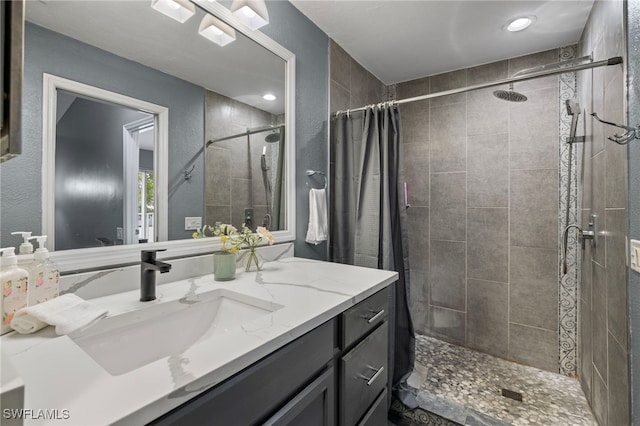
635	255
192	223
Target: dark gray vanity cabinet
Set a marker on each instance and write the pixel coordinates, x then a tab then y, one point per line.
277	389
363	362
335	374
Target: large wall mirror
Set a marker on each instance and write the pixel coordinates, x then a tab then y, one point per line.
144	128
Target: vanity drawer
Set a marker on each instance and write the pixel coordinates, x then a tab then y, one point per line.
377	413
363	317
363	376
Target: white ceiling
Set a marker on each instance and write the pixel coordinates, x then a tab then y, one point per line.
402	40
242	70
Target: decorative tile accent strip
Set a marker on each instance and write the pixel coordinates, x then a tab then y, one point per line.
568	288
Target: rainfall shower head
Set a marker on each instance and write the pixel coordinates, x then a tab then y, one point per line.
509	95
272	137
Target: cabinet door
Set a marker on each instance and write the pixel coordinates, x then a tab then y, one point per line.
313	406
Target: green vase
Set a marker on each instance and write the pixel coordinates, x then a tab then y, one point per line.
224	266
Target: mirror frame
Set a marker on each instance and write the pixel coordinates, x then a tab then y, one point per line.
51	85
78	260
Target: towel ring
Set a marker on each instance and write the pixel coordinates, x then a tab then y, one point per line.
317	172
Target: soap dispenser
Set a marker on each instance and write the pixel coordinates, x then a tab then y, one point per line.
25	260
44	274
14	282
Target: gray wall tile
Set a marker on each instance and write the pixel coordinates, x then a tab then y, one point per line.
487	317
530	61
486	114
597	206
418	223
448	81
534	130
215	214
447	274
416	173
585	350
419	285
618	384
600	405
340	97
358	85
488	170
448	206
534	208
420	316
218	185
448	141
415	122
340	65
488	73
599	129
448	324
533	346
599	311
488	244
242	199
533	296
616	274
411	88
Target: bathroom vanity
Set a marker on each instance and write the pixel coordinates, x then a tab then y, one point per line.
301	342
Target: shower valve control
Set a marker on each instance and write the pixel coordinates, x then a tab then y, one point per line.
591	233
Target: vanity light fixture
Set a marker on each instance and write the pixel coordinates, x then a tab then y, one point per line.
180	10
252	13
217	31
520	24
269	97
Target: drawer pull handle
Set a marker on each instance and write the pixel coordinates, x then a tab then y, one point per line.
375	376
376	316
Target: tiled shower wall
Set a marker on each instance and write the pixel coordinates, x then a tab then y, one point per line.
233	179
482	175
483	187
603	343
352	86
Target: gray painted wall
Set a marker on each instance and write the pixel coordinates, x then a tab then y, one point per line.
52	53
89	149
633	68
289	27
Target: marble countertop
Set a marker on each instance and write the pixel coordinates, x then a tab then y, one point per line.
58	375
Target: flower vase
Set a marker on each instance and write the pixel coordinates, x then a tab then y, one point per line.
252	260
224	266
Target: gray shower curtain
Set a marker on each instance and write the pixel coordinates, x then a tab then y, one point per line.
368	220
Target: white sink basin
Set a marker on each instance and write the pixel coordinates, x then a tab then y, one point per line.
131	340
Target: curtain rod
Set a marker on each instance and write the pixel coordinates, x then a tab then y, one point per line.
611	61
247	133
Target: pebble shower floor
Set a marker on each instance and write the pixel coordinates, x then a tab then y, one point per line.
475	381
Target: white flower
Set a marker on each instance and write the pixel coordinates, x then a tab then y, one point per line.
225	229
265	234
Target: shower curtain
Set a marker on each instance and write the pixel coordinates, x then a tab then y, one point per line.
369	218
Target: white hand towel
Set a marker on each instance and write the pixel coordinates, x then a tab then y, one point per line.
318	229
67	312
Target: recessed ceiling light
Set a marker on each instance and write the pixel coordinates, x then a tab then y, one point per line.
180	10
269	97
520	24
217	31
252	13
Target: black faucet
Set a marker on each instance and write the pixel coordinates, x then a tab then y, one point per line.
148	267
